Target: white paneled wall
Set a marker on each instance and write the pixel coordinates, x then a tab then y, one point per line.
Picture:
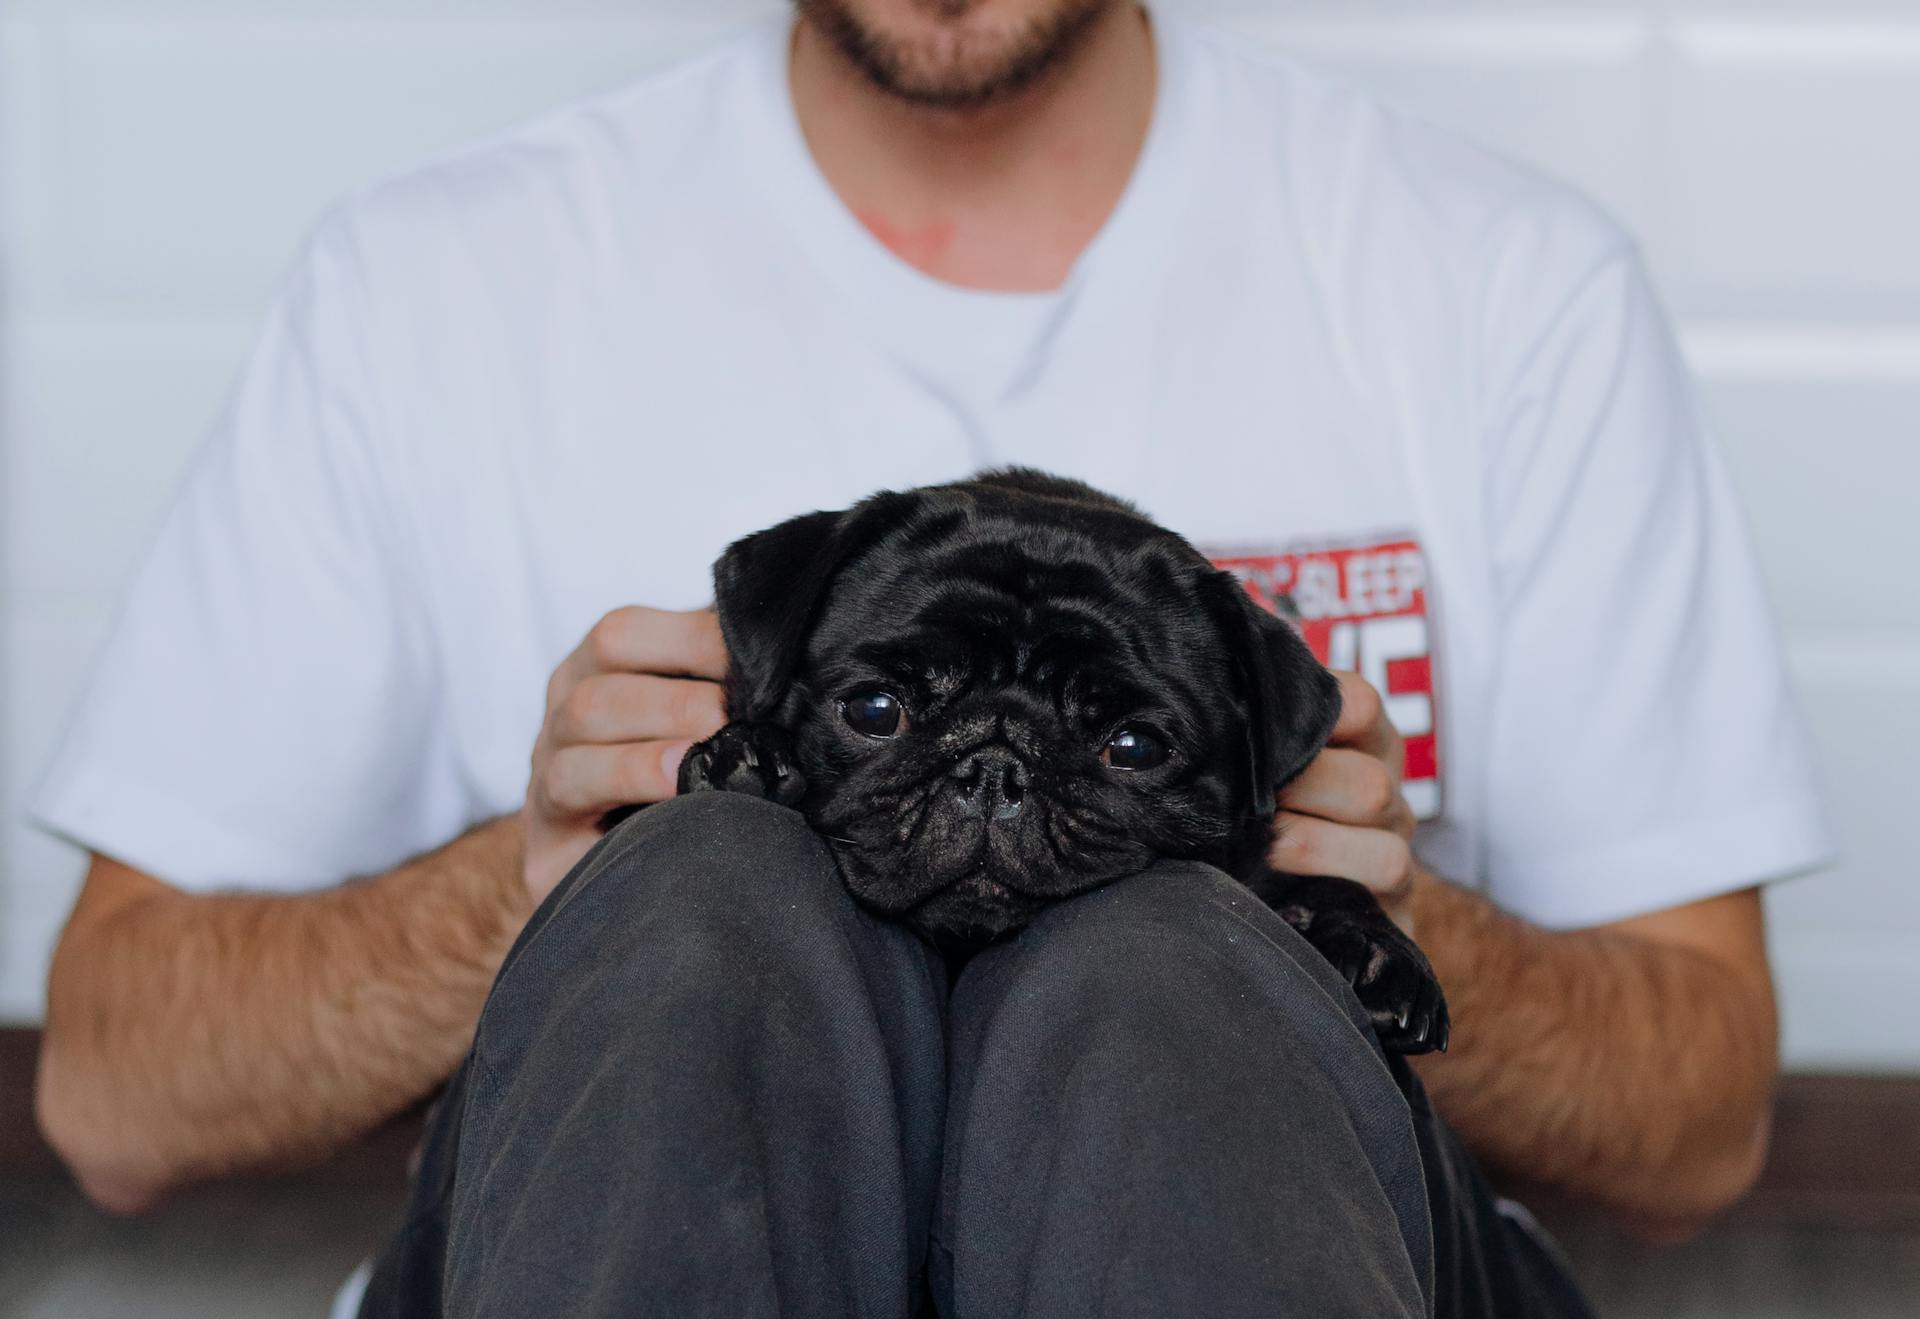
159	160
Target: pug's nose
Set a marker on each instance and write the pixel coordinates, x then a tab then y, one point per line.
991	784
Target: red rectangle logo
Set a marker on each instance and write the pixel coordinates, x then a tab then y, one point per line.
1363	608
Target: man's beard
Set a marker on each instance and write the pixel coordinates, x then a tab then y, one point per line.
958	69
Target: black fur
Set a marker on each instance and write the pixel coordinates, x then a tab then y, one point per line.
1021	619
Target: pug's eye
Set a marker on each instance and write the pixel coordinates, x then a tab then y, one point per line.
1135	747
874	714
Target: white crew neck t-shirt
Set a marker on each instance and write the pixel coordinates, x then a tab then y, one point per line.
1417	395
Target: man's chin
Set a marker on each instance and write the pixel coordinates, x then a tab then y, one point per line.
961	61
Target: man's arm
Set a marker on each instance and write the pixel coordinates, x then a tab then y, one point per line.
1630	1066
189	1036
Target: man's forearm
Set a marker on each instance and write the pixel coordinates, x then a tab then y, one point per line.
189	1036
1621	1070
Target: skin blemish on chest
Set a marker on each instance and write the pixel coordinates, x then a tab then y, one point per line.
920	246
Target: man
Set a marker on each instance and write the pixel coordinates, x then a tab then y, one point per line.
889	243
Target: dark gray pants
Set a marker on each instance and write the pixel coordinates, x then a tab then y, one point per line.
707	1083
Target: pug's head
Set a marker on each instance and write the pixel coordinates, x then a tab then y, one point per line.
1013	689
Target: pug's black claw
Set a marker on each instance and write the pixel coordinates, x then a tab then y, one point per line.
1390	975
1418	1028
754	759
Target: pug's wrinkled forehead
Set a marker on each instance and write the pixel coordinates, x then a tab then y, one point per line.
946	607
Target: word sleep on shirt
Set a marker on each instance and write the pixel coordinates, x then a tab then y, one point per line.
1418	398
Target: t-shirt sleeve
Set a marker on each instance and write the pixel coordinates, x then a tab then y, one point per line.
264	713
1647	749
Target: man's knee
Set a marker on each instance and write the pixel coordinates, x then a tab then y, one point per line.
1170	953
683	897
1169	893
1178	939
1172	905
708	855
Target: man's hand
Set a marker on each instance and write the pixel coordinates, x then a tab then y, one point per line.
622	710
1345	816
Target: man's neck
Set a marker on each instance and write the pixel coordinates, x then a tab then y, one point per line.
1005	197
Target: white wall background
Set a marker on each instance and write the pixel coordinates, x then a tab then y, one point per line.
159	159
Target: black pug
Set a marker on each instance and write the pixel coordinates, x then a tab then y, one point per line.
996	694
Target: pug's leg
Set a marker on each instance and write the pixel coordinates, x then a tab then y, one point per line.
1392	977
754	759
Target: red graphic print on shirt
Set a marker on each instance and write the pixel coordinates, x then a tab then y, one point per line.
1363	608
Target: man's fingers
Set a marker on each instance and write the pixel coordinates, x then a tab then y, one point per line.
1308	845
1350	787
1363	720
636	707
588	780
637	639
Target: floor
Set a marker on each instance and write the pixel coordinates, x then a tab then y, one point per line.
263	1252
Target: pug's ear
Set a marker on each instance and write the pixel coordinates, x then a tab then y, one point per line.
1293	702
768	588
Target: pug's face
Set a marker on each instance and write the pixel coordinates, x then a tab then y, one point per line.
1012	690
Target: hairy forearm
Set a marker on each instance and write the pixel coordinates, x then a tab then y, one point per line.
1615	1069
189	1036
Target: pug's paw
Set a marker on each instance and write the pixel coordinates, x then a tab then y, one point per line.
1390	975
754	759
